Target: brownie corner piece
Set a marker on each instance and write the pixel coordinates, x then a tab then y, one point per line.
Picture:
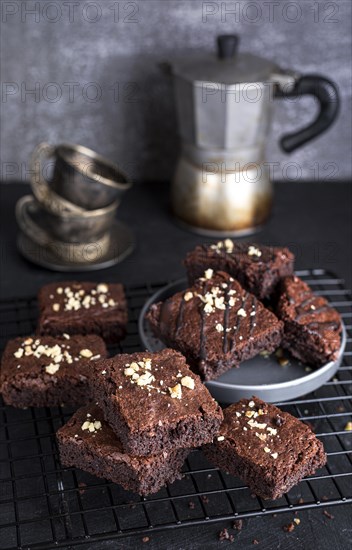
83	308
47	371
257	267
87	442
270	450
216	324
154	402
312	327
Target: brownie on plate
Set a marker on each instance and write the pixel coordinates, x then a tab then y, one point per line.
312	328
257	267
87	442
47	371
270	450
154	402
83	308
215	324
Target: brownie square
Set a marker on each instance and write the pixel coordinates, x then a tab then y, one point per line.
270	450
258	268
154	402
83	308
87	442
216	324
48	371
312	328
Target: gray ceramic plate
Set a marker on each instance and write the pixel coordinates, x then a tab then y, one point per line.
259	376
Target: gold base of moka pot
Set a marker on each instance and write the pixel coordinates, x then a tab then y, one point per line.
214	201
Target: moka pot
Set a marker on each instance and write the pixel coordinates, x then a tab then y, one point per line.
222	183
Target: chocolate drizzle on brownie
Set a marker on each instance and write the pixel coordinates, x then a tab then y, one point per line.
226	321
312	326
180	314
202	348
237	326
302	311
215	324
316	326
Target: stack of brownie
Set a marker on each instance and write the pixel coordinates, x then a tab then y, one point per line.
52	368
226	315
150	410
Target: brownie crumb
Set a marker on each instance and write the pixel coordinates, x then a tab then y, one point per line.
238	524
205	499
289	527
328	515
281	358
191	505
81	489
145	539
324	498
255	541
279	421
225	535
300	501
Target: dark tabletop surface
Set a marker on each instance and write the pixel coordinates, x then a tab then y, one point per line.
313	219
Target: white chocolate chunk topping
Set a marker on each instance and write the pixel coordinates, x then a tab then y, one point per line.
75	299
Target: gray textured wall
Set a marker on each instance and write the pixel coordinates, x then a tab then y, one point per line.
76	43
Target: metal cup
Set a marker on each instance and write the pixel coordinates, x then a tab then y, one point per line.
80	176
33	222
72	227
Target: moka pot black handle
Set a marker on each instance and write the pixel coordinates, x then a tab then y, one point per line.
329	103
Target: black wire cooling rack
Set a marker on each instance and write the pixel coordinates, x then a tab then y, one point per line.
43	505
